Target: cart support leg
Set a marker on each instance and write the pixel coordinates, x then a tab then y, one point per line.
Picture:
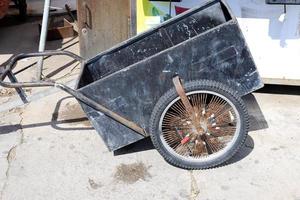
20	91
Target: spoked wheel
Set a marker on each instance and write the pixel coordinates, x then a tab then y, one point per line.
199	125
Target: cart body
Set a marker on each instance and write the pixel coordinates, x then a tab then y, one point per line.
202	43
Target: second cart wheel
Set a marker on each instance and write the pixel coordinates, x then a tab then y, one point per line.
209	136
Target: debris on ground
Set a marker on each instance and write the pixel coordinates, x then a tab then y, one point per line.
131	173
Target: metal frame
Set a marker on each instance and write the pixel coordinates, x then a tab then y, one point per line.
79	96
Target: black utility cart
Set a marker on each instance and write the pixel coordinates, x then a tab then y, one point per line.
180	83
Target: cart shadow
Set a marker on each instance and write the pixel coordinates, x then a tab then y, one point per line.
280	89
257	122
81	119
81	122
242	153
6	129
139	146
146	144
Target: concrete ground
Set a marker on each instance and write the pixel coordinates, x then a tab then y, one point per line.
48	150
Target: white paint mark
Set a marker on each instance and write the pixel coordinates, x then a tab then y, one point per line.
171	60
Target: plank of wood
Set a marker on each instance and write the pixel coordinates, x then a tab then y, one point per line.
102	24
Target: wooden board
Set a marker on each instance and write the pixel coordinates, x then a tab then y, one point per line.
102	24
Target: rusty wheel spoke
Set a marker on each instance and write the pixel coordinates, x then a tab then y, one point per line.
199	148
212	127
213	144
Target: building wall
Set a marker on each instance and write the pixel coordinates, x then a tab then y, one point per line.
273	37
102	24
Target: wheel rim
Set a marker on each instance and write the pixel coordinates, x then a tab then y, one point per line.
213	132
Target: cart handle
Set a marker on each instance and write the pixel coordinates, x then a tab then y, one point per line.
78	95
12	63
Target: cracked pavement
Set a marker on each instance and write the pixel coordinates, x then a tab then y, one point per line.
50	151
11	137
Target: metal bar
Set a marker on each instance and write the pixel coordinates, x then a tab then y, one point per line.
180	91
67	7
84	99
20	91
188	106
46	57
43	37
13	60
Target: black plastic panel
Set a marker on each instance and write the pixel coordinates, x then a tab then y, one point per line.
196	24
173	33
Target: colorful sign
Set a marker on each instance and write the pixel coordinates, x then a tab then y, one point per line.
152	13
272	32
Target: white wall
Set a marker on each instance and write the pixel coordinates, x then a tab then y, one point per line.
274	39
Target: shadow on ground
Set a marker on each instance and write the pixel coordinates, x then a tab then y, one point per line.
62	115
257	122
280	89
13	43
146	144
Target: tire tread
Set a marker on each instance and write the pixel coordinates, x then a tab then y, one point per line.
193	85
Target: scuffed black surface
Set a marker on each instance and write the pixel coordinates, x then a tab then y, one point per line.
155	41
131	90
131	54
196	24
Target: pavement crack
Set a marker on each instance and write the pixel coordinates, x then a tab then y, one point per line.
11	155
21	126
195	191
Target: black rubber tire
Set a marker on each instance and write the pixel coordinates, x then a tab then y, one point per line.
207	85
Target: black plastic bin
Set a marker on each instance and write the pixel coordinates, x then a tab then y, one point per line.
181	83
203	43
